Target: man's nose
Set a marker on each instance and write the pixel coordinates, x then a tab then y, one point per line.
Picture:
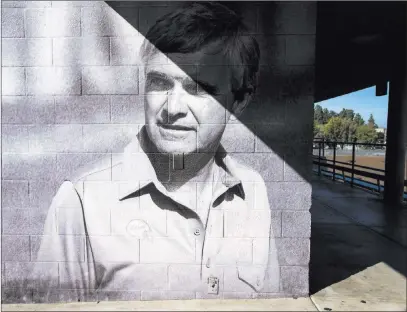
177	102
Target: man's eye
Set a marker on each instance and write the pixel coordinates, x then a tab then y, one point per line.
158	84
191	88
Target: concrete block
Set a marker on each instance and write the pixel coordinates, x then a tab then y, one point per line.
296	224
53	22
103	245
294	280
236	295
264	108
13	296
299	130
299	81
28	167
18	274
105	22
126	51
60	4
243	225
289	195
300	50
72	295
27	52
13	81
162	250
233	250
14	138
82	109
108	138
16	221
127	109
287	18
15	248
110	80
14	194
41	194
276	223
233	283
56	138
272	81
12	22
69	165
118	295
269	166
28	110
182	277
187	277
81	51
238	138
293	251
37	221
149	16
53	81
167	295
272	49
298	163
271	138
148	276
77	245
26	4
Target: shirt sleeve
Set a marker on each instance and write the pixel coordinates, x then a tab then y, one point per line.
64	245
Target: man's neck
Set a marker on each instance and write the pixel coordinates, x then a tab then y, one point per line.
197	167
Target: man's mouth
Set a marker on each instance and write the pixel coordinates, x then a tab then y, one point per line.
176	127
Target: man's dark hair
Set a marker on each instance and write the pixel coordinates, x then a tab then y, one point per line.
201	25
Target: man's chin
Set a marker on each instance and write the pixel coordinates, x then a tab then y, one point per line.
174	149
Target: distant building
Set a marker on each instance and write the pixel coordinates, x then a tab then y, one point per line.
384	137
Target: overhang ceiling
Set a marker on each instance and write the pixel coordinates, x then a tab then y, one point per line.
357	45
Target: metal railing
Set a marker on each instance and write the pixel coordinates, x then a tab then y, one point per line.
346	171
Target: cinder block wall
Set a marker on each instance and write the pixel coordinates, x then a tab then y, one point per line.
71	94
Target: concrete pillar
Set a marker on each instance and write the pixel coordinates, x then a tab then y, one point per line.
397	122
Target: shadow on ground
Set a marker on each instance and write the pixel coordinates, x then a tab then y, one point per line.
352	230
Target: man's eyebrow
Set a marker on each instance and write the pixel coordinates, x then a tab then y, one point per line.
207	86
157	74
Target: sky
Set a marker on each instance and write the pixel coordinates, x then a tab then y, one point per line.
363	102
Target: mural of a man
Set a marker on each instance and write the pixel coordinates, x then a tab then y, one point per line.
174	208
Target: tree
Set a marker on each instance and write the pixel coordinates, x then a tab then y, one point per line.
358	120
318	130
325	116
318	114
366	134
347	113
333	129
332	114
371	122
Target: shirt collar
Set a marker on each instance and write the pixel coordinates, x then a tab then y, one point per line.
138	171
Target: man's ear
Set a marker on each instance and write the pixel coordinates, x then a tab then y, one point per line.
240	103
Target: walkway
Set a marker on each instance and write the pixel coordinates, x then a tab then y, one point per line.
358	261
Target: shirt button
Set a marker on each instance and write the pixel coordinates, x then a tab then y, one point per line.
197	232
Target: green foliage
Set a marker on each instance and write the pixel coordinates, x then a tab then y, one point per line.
371	122
366	134
358	120
344	127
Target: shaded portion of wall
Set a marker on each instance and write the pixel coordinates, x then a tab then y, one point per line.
72	93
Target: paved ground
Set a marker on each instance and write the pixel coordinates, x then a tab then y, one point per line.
358	262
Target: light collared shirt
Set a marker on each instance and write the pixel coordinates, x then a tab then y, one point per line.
116	227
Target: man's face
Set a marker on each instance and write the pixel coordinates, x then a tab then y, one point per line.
181	115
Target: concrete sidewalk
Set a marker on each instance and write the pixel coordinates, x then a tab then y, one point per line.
358	262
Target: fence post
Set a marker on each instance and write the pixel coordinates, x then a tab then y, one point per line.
319	158
334	162
353	161
323	147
